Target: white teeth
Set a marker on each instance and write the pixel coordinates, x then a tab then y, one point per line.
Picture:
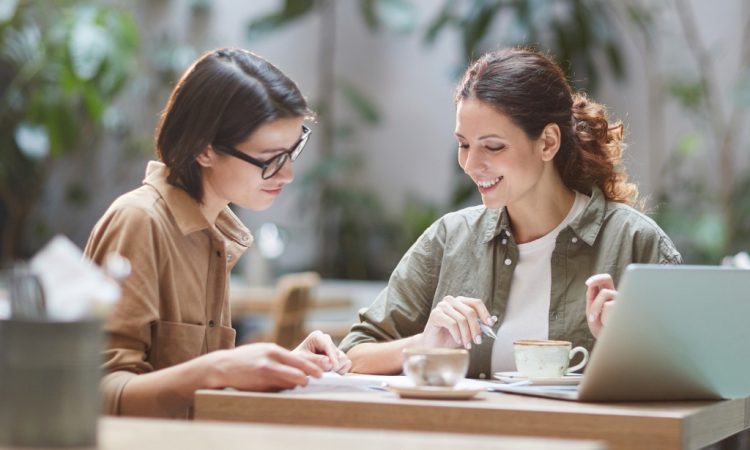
489	183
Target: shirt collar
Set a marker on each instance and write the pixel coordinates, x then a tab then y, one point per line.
186	210
586	226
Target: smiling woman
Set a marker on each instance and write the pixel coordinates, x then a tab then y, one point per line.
556	210
171	332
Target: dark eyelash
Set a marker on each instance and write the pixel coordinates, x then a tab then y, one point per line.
463	145
495	149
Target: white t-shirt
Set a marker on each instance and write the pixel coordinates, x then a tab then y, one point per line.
527	311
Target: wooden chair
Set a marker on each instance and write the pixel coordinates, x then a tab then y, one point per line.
290	309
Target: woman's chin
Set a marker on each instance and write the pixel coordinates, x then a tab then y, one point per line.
255	205
491	203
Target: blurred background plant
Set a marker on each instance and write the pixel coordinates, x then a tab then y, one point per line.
62	64
701	183
68	83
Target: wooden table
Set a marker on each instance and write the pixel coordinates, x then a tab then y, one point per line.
151	434
674	425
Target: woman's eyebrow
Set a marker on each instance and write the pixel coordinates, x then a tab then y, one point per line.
273	150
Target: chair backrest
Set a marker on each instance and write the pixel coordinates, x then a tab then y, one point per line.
294	292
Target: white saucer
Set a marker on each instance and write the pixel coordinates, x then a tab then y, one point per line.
434	392
513	377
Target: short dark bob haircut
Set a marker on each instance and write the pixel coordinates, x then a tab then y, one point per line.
221	99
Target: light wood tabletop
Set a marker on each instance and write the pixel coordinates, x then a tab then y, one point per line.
153	434
673	425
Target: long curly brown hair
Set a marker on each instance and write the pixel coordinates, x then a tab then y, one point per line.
532	90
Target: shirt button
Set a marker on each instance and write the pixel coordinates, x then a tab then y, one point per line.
482	375
229	257
574	240
245	238
508	262
505	241
211	324
507	233
554	316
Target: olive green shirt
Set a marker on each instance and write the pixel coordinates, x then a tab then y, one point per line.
472	253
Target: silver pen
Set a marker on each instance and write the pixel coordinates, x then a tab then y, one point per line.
486	329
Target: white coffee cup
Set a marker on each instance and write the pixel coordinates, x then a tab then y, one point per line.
436	366
546	359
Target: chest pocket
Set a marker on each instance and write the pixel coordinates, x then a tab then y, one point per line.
173	343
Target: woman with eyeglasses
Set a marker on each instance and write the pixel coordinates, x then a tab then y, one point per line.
229	133
541	257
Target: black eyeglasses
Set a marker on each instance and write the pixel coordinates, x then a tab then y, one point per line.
272	166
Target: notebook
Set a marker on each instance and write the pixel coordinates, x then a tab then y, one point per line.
676	333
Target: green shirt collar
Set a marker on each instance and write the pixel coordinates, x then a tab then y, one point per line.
586	226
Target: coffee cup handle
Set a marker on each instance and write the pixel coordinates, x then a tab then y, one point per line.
583	362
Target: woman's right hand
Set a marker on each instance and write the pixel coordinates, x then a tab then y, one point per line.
262	367
453	323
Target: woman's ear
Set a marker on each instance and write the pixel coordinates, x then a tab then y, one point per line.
206	157
550	141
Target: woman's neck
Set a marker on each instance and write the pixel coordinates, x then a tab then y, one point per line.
211	205
540	212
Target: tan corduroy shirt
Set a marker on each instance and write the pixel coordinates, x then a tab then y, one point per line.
174	305
472	253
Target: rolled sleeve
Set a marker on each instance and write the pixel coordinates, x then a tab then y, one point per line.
112	385
403	307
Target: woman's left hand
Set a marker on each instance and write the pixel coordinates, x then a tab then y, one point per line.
319	348
600	300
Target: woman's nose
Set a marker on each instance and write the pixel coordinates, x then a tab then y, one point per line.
286	173
473	161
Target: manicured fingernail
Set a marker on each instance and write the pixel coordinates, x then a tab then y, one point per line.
478	339
494	319
468	345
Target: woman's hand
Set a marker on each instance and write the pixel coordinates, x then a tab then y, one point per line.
260	367
319	348
600	300
453	323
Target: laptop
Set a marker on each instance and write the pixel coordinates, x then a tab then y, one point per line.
677	333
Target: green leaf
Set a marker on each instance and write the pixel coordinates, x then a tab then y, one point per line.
94	102
289	12
444	18
397	15
614	57
77	195
367	7
690	93
366	110
690	144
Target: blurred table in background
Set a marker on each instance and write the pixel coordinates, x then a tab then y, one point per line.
334	308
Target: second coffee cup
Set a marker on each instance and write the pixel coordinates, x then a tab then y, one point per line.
545	358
